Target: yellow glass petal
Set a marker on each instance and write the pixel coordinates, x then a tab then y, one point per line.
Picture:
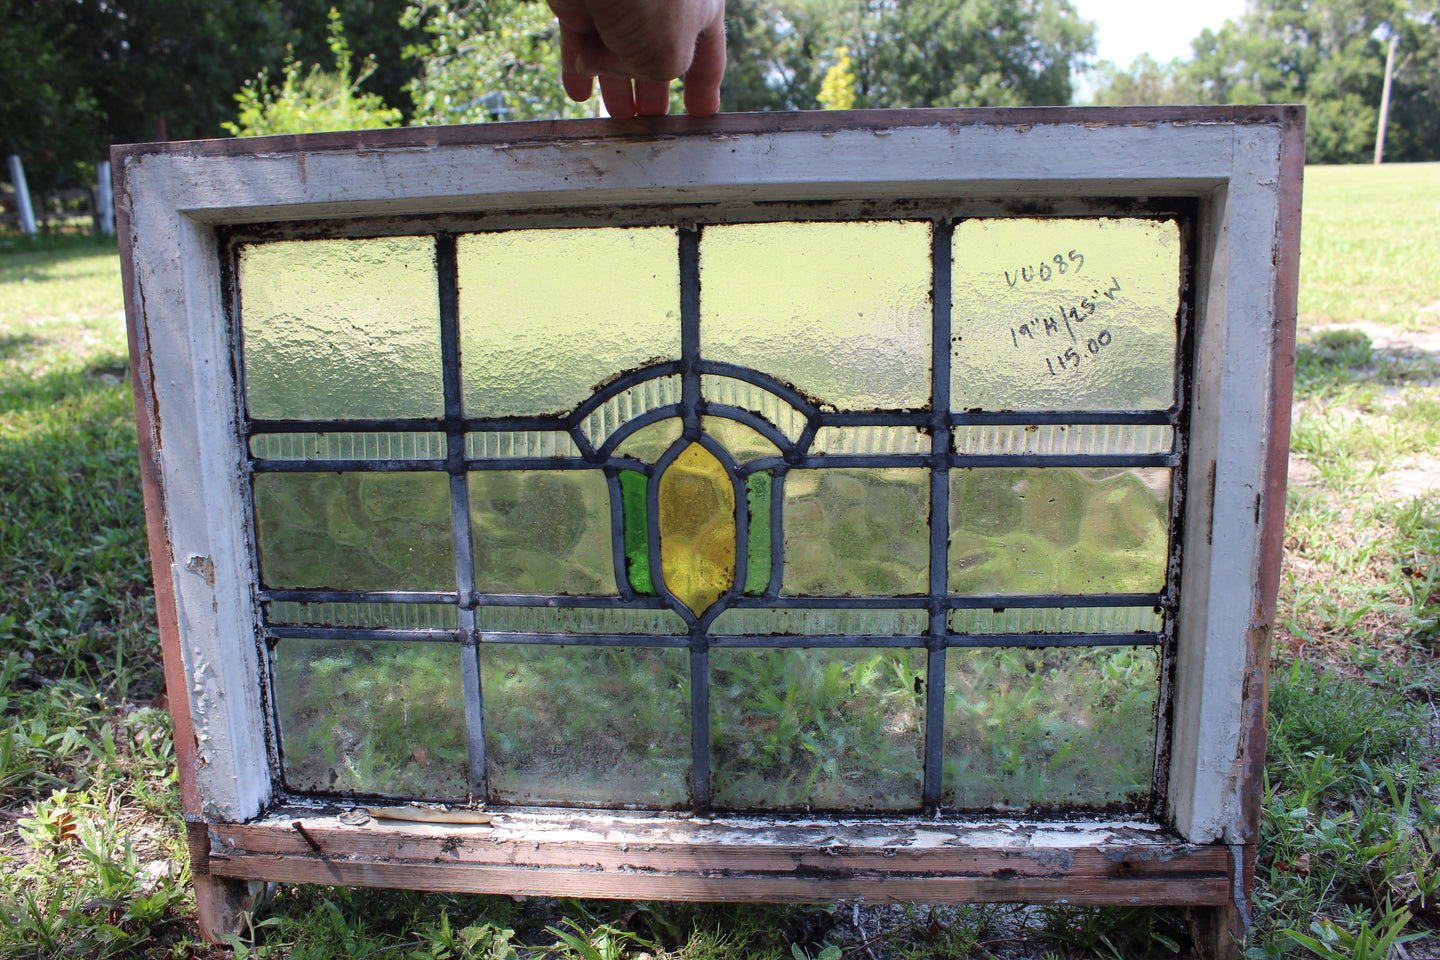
697	528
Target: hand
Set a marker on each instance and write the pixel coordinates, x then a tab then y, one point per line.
636	47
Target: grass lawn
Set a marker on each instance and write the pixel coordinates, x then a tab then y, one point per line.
91	850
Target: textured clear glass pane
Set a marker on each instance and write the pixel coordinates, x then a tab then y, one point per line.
341	329
1059	530
1059	438
841	311
697	528
348	446
870	439
587	725
1063	314
821	622
355	531
629	404
519	443
1055	726
650	442
397	616
835	729
744	443
372	717
759	492
541	531
546	316
577	620
860	531
758	400
1059	620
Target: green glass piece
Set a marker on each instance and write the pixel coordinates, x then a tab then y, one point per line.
1059	530
697	528
637	531
858	531
341	329
372	717
541	531
1053	726
833	729
757	551
355	531
607	726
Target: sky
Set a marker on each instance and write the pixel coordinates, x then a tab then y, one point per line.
1124	29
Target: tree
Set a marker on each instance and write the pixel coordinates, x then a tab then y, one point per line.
316	101
47	110
1326	54
487	60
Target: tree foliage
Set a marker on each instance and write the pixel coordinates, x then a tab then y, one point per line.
314	101
1326	54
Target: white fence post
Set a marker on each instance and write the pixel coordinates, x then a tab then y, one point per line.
104	200
22	195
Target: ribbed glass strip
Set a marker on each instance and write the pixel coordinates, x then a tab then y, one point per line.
373	616
792	622
520	443
1059	438
758	400
577	620
1059	620
629	404
348	446
870	439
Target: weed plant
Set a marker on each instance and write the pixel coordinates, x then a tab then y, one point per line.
91	857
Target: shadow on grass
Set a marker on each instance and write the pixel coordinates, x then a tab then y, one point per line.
22	393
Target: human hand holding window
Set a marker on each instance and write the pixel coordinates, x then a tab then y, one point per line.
636	47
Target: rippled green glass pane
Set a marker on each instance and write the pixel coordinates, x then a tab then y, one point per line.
546	316
650	442
633	485
578	620
1060	314
858	531
834	729
1059	530
355	531
812	622
1055	726
541	531
372	717
758	488
1059	620
839	310
587	725
742	442
400	616
341	329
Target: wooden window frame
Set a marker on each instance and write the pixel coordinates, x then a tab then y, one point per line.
1240	167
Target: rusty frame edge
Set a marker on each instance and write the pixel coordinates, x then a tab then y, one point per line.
719	125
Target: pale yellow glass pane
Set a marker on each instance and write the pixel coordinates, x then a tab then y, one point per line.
1056	726
650	442
841	311
541	531
1059	530
605	726
1064	314
857	532
697	528
341	329
833	729
744	443
547	316
372	717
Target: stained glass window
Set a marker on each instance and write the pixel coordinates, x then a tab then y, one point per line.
850	515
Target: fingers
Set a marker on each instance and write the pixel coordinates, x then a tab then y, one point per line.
578	83
619	94
707	69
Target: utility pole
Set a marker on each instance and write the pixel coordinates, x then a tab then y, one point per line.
1385	100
